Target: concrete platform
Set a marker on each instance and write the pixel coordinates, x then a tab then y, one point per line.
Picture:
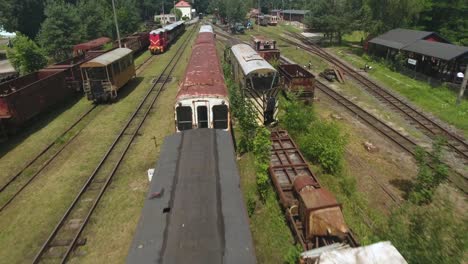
201	216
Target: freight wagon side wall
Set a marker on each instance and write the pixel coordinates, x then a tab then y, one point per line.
37	97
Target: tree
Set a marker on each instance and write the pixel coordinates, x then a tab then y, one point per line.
24	16
236	10
61	30
128	16
26	56
96	18
177	12
330	17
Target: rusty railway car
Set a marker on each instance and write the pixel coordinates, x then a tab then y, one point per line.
104	75
313	213
297	80
202	100
266	48
25	97
95	44
137	42
73	77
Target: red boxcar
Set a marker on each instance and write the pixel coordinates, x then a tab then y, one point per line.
137	42
23	98
296	79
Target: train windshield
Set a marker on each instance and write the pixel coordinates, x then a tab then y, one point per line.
263	82
96	73
184	117
220	117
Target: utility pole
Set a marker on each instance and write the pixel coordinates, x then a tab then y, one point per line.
116	24
290	11
258	16
463	86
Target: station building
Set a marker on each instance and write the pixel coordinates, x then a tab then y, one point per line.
290	14
424	51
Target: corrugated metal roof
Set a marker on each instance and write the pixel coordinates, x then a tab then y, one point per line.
249	60
295	12
108	57
439	50
206	28
400	37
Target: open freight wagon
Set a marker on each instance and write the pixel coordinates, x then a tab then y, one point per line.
297	80
23	98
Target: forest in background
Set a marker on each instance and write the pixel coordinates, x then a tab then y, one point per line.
56	25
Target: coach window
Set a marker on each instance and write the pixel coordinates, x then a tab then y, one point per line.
184	117
220	117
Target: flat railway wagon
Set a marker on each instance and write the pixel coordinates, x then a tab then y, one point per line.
313	213
258	80
105	75
297	80
160	39
194	212
25	97
202	100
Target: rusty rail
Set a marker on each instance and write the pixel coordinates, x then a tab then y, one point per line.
425	123
101	177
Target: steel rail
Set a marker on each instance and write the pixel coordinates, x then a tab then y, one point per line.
48	147
167	70
454	141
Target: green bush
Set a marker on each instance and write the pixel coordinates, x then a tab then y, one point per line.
428	178
324	144
292	257
251	203
428	234
296	116
26	56
261	150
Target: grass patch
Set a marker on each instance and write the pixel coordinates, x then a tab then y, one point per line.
272	236
439	100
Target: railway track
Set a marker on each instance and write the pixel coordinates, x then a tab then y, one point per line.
429	126
401	140
65	235
21	179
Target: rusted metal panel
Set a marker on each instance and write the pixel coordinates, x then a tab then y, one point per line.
313	213
27	96
295	79
204	76
90	45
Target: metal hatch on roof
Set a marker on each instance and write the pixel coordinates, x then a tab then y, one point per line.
251	57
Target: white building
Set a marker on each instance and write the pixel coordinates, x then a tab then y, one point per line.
185	8
165	19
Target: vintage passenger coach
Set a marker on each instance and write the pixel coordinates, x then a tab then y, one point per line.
105	75
202	101
258	80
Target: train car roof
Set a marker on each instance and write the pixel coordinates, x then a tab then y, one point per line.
250	61
107	58
194	212
206	28
204	76
167	27
92	43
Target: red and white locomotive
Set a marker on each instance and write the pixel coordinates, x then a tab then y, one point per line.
161	38
202	100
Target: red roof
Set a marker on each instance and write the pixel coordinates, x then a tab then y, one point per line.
203	77
183	4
